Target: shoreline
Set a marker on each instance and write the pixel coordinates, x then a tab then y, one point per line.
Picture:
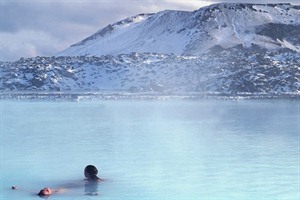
123	95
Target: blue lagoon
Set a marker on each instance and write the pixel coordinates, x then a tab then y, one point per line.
213	150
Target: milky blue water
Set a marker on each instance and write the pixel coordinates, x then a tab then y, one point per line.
212	150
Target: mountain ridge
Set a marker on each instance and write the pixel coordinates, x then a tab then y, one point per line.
215	50
192	33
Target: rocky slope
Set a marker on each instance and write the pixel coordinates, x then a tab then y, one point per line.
231	72
223	49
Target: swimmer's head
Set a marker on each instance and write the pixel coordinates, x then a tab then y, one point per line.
90	172
45	192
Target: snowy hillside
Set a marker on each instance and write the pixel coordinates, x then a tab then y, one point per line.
223	49
191	33
230	74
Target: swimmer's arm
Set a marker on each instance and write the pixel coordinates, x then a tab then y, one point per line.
59	190
18	188
22	189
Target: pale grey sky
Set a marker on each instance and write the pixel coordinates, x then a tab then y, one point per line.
44	27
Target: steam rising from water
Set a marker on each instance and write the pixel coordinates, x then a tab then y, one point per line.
153	149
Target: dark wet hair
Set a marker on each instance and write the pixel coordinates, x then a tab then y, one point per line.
42	194
92	171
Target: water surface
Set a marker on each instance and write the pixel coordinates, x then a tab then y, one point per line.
209	150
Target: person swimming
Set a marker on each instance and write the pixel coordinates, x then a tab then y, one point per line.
90	172
45	192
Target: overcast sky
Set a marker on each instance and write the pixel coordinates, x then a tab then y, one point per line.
44	27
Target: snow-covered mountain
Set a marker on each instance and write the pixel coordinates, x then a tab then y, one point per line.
270	26
223	49
230	73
